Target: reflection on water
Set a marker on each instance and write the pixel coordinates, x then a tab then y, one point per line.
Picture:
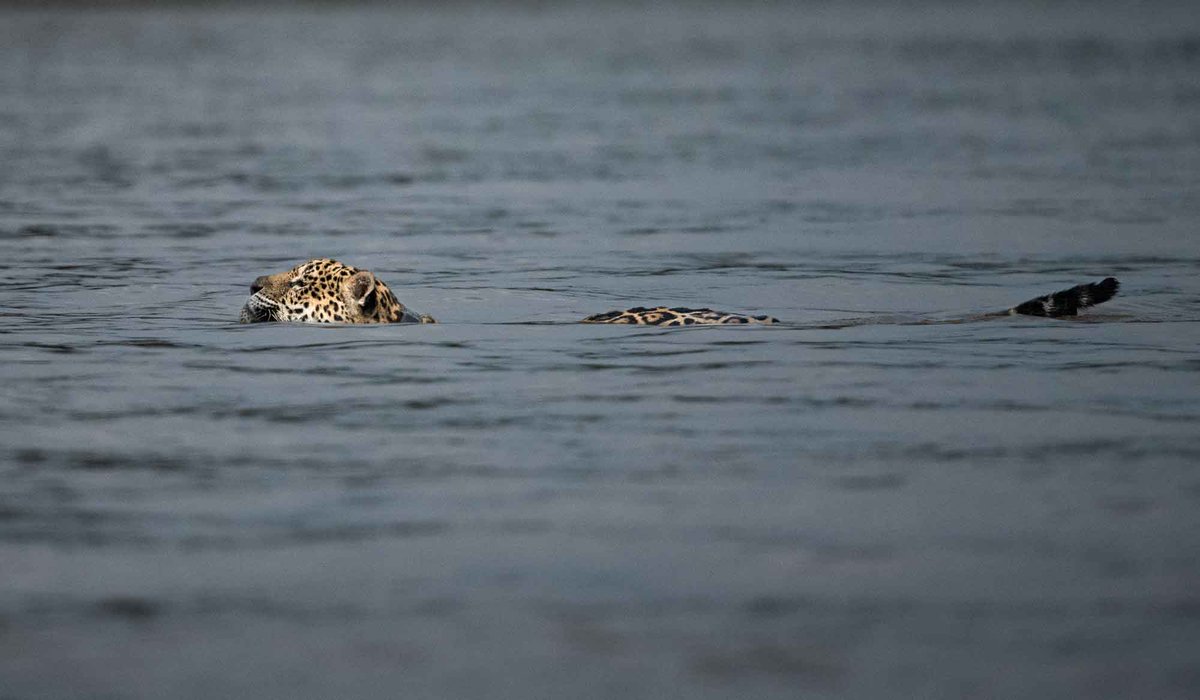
855	502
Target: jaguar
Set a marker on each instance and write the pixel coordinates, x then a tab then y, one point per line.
327	291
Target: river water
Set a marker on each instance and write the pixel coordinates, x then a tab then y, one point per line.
854	503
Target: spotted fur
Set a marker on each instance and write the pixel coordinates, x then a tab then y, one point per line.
325	291
676	316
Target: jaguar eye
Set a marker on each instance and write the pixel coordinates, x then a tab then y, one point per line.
297	282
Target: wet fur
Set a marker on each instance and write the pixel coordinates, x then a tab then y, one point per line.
676	316
1069	302
327	291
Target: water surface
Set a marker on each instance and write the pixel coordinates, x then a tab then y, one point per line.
854	503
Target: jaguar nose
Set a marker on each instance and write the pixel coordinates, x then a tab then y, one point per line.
257	285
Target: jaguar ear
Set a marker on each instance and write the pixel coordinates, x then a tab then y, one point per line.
362	290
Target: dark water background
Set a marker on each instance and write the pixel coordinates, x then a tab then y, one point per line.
512	505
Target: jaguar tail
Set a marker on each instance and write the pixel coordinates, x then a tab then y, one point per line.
1068	302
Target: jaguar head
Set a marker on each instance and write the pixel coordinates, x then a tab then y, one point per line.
322	291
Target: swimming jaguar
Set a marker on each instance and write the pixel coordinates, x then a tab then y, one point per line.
327	291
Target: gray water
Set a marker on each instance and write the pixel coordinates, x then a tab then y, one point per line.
855	503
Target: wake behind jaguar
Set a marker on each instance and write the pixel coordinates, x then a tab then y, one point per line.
327	291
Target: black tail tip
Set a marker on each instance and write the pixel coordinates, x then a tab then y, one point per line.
1105	289
1068	302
